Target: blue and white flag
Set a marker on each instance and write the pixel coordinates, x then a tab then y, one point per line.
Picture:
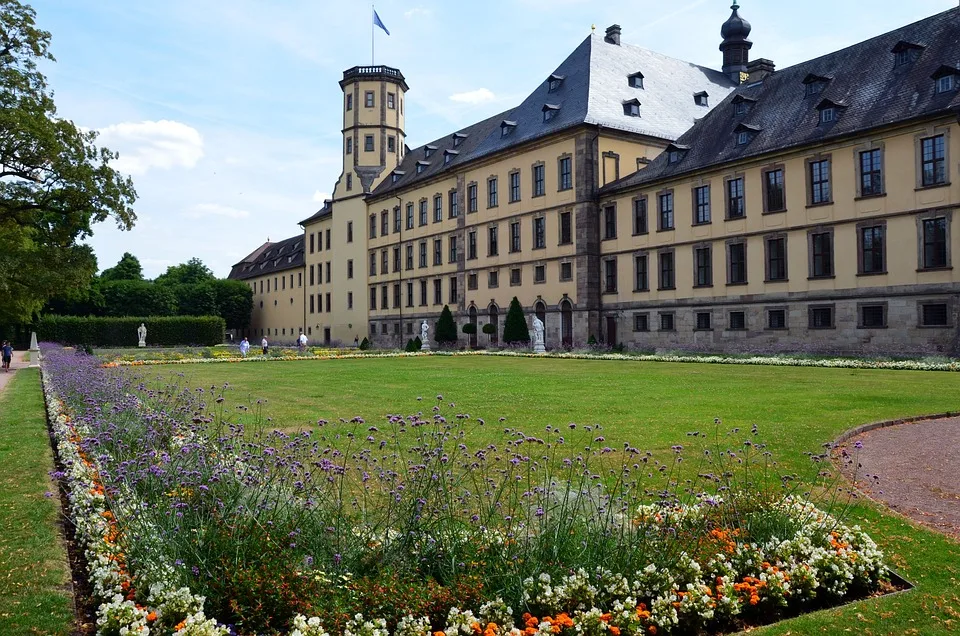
378	22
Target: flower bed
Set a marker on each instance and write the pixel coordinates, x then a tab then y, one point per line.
780	361
195	518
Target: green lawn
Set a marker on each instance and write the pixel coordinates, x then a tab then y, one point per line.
34	576
653	405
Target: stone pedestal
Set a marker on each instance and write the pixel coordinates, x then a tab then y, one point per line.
425	346
539	348
34	347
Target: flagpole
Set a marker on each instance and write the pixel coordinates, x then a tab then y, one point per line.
373	12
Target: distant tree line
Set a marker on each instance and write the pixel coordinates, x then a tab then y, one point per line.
188	289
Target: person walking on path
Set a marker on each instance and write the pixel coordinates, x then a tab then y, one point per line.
264	345
7	356
244	347
302	342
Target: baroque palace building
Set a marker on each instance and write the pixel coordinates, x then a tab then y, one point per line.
649	201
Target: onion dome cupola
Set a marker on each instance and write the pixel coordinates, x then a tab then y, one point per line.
735	45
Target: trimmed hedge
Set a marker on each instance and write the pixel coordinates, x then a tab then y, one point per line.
122	332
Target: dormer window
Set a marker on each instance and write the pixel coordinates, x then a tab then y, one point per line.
676	152
636	80
701	98
829	111
506	127
631	108
458	139
743	138
814	84
903	57
742	104
946	78
905	52
428	150
450	155
422	165
554	82
396	175
550	111
744	133
945	84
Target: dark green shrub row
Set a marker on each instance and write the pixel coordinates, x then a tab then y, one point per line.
122	332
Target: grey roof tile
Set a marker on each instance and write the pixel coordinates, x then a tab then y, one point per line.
270	258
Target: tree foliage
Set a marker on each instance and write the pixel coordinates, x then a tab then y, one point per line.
192	272
446	331
127	268
515	328
55	183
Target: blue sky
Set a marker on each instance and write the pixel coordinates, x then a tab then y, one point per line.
227	112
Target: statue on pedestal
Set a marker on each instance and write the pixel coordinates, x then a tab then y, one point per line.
142	335
538	346
424	340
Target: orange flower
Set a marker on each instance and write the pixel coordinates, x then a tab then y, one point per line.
615	630
476	628
652	629
152	616
183	624
563	620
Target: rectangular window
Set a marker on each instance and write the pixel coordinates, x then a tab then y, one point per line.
437	292
821	254
368	143
396	259
409	216
454	297
384	262
736	205
514	187
311	240
373	298
368	99
736	263
566	271
423	254
384	223
350	268
515	236
703	321
819	173
471	281
935	243
349	231
565	176
777	319
540	274
391	101
409	257
666	271
471	245
737	321
423	293
515	278
610	276
472	197
776	258
319	276
350	101
396	295
454	205
872	316
493	279
702	267
312	304
396	220
453	249
774	195
391	144
326	235
933	163
437	252
383	298
539	233
539	187
640	216
329	269
492	247
641	322
566	233
311	278
492	192
666	322
701	205
409	294
641	274
872	249
609	222
665	217
349	145
437	208
373	226
934	315
871	177
821	317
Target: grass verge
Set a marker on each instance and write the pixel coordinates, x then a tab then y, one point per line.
35	594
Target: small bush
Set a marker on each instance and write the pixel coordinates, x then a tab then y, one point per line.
446	328
591	341
489	329
417	344
469	329
364	344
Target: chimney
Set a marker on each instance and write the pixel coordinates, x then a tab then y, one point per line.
613	34
759	68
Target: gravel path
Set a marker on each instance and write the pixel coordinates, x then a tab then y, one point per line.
914	469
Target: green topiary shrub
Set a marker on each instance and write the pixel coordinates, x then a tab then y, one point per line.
411	346
515	329
591	341
417	344
364	344
446	332
489	329
122	332
469	329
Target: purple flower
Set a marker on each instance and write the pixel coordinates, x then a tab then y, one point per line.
858	445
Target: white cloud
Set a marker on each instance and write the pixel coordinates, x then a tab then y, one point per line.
478	96
215	209
160	144
320	197
417	11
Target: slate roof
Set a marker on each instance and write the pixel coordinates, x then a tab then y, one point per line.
270	258
592	90
863	82
323	212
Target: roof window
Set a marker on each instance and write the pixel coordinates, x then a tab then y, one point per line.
458	139
554	82
676	152
830	111
422	165
636	80
631	108
397	175
905	52
428	150
744	133
946	78
550	111
701	98
450	155
815	84
506	127
742	104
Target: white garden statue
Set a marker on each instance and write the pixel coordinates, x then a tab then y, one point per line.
424	340
142	335
538	346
